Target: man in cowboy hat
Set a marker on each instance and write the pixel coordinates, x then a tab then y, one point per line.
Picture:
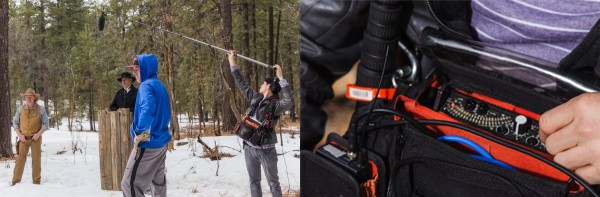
125	97
29	122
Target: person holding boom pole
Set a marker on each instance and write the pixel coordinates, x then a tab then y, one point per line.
265	107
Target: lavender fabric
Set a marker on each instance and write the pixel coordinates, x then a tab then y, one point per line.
545	29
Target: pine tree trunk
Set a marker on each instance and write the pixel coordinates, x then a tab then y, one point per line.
291	84
72	101
216	107
255	54
200	102
246	45
57	120
229	111
44	66
198	98
277	37
91	105
271	38
5	135
168	62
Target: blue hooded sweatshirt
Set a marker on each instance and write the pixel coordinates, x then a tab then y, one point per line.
152	106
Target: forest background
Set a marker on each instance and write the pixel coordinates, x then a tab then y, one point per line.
56	48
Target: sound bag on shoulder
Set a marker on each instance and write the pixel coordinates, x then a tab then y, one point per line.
251	129
248	129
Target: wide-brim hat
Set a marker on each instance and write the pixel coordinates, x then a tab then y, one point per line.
126	75
31	92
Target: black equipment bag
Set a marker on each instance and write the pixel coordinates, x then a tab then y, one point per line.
419	165
414	162
429	167
248	129
324	177
253	130
425	167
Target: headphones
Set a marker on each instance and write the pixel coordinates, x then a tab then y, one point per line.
275	87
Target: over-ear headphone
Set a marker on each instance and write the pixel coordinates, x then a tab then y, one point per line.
275	87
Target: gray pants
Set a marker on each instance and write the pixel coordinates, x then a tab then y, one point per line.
268	159
145	170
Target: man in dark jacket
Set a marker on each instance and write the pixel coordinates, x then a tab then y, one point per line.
263	103
149	131
125	97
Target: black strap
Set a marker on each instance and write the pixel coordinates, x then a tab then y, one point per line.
272	115
134	171
254	107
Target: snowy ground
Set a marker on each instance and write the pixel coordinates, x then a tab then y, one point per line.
78	174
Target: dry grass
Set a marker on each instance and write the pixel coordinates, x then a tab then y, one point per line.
291	193
195	131
8	158
214	154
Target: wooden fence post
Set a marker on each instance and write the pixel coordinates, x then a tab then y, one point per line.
114	146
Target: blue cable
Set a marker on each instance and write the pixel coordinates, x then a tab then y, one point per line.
494	161
469	143
484	155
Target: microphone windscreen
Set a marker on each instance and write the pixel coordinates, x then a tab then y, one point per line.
101	21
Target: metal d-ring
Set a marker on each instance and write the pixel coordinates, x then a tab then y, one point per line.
406	73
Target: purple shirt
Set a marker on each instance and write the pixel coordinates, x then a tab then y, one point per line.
545	29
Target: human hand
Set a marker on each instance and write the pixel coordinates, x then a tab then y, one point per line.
171	145
571	132
278	71
37	136
22	137
231	57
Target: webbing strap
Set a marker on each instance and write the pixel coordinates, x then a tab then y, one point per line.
367	94
369	187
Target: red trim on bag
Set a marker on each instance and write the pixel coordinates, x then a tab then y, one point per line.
374	170
251	123
515	158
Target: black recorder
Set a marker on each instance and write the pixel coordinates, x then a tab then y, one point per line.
339	156
470	93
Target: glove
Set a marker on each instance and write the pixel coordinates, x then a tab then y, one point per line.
143	137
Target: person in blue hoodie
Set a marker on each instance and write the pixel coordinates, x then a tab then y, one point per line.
149	131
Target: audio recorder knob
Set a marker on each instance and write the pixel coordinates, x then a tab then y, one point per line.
533	141
470	105
482	109
502	130
522	126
